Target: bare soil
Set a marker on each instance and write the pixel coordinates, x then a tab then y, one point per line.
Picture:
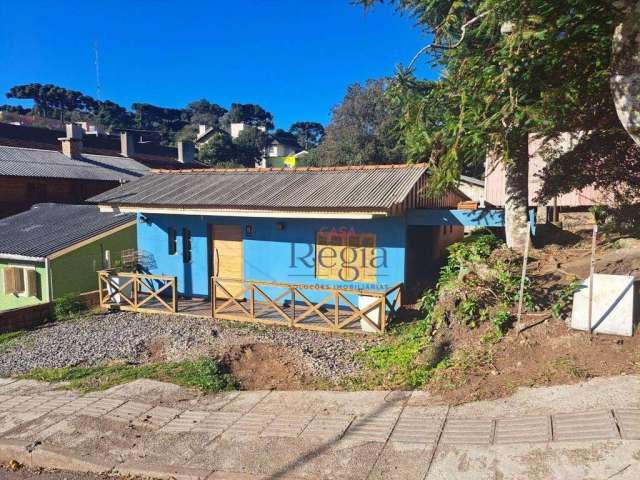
548	353
262	366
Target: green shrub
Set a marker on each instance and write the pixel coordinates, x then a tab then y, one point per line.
564	298
67	306
409	357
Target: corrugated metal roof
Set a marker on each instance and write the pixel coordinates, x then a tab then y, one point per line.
50	227
353	188
473	180
31	162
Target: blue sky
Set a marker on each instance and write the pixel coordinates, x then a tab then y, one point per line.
295	58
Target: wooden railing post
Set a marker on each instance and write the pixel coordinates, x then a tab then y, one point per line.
174	291
336	306
100	289
213	297
383	312
136	288
252	301
293	307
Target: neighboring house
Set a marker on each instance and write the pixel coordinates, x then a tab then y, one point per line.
54	249
280	147
282	152
472	188
39	166
204	134
298	226
576	200
279	152
292	161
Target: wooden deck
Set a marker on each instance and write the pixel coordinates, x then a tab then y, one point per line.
264	313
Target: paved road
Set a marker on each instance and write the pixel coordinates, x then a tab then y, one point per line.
361	435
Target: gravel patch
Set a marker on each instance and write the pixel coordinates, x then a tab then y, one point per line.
102	338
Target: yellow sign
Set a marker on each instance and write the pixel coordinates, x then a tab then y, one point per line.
290	161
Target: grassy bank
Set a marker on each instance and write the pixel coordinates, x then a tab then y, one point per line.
476	292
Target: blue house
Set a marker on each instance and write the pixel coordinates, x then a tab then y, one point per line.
316	237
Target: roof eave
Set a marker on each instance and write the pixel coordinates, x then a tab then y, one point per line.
248	212
24	258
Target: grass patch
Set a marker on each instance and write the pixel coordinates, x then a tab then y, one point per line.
478	284
203	374
9	341
454	371
403	360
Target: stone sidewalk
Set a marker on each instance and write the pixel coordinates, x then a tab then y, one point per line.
152	429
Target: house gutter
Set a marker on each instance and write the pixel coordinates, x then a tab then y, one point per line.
47	264
10	256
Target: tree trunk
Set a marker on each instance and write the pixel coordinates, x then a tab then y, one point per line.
516	189
625	80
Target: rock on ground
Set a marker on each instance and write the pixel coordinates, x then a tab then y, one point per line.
101	338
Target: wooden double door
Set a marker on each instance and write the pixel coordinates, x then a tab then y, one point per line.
227	258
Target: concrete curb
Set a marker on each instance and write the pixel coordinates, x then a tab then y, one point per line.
65	459
165	472
14	450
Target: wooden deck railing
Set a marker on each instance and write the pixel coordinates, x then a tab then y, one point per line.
137	292
289	304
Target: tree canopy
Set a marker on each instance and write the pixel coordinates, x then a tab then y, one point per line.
250	114
510	68
174	124
307	134
50	100
363	128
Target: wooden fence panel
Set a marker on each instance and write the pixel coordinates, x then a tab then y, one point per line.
290	305
137	292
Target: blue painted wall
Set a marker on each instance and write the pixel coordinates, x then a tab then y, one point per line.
270	254
482	217
467	218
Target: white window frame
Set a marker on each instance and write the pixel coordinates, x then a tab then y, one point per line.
25	278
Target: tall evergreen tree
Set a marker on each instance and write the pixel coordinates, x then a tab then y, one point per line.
510	67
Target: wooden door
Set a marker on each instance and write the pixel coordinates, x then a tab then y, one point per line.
227	258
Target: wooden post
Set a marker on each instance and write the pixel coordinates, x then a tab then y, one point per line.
336	304
592	271
252	300
293	307
525	259
213	297
383	312
174	290
135	288
100	288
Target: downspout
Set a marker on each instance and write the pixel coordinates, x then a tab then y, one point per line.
47	265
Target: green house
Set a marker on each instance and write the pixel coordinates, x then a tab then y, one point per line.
55	249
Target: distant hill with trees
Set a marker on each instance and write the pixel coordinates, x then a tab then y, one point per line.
173	124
